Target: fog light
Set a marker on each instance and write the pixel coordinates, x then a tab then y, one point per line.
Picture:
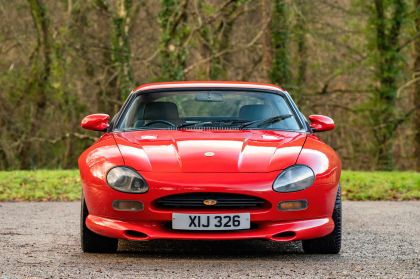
127	205
293	205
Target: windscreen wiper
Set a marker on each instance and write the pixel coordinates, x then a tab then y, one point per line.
187	124
264	122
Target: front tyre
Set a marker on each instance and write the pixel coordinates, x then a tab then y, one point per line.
329	244
92	242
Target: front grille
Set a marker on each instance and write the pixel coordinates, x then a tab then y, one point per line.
224	201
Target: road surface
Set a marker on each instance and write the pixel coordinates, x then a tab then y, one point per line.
41	240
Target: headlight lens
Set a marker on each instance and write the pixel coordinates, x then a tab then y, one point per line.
126	180
294	178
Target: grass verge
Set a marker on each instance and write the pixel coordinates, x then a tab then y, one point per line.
64	185
358	185
40	185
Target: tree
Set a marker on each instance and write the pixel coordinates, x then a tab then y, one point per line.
173	19
353	60
39	80
280	72
216	30
121	47
118	59
302	55
386	18
42	57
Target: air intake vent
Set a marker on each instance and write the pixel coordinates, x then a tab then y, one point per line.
211	201
225	128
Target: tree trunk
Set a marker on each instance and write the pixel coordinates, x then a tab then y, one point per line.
218	66
118	74
302	59
38	83
121	53
280	72
266	39
173	22
216	37
387	65
41	69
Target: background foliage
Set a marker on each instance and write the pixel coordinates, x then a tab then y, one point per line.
357	61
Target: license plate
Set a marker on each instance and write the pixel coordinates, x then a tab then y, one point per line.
211	222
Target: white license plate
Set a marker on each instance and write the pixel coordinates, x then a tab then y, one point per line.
211	222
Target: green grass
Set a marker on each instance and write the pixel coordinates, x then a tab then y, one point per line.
64	185
40	185
359	185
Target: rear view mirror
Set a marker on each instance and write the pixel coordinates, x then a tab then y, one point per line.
209	97
95	122
321	123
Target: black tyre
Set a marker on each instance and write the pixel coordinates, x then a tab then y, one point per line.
329	244
92	242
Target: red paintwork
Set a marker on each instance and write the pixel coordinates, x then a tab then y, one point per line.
95	122
235	151
321	123
245	162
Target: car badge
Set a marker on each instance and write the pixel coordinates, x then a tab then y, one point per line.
209	154
210	202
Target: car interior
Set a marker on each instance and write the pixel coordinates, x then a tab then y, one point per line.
164	113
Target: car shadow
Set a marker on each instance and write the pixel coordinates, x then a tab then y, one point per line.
181	249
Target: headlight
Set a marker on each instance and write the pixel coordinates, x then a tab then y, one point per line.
126	180
294	178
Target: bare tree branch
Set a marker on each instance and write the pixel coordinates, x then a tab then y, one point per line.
231	50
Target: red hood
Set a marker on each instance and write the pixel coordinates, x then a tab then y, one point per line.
227	151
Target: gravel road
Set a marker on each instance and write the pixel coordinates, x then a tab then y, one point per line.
41	240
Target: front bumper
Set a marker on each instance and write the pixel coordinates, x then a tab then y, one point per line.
266	223
284	231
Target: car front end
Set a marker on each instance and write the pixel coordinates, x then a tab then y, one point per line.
209	182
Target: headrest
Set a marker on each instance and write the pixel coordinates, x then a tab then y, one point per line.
161	111
255	112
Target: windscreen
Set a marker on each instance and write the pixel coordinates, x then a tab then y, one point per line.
208	109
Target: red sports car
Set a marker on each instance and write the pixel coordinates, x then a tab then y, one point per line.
210	161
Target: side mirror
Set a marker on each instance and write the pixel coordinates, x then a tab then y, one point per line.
95	122
321	123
